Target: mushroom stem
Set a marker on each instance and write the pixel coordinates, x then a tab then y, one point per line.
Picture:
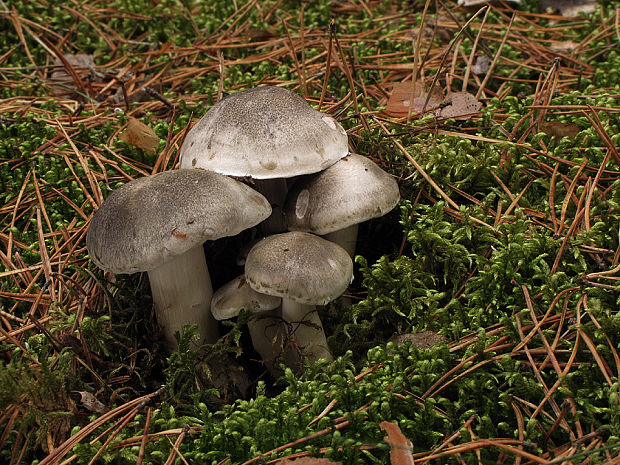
274	190
308	331
182	291
345	238
266	333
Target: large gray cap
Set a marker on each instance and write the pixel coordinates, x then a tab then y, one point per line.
351	191
264	133
150	220
299	266
231	298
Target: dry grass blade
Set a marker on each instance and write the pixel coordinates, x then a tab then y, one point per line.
400	447
505	444
147	424
416	60
495	59
175	447
307	438
419	168
472	54
57	454
45	259
325	411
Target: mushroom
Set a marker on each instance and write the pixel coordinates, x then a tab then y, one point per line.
268	134
333	202
230	299
305	271
158	224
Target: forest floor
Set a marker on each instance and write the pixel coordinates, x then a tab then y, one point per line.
484	323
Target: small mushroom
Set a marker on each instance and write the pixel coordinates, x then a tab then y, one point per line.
158	224
230	299
333	202
268	134
305	271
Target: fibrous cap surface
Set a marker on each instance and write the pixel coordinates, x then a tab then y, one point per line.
299	266
350	191
152	219
264	133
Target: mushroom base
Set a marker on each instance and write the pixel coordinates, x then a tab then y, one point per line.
309	337
182	291
266	332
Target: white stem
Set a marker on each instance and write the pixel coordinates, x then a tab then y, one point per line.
345	238
275	191
266	333
182	292
308	330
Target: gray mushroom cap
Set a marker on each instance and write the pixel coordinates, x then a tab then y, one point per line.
150	220
264	133
351	191
300	267
237	295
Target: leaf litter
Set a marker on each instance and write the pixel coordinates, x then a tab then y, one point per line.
456	105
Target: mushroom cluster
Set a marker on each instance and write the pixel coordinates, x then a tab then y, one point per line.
305	271
270	135
158	224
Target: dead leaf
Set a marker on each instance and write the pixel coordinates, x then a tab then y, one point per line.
481	66
400	99
569	8
307	461
91	403
257	34
434	28
558	130
423	340
140	135
132	95
82	65
78	62
457	105
401	449
479	2
460	106
565	46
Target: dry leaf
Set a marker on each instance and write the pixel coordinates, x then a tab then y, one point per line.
569	8
423	340
481	67
479	2
257	34
558	130
91	403
132	95
307	461
400	99
459	105
82	64
565	46
77	62
140	135
401	449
